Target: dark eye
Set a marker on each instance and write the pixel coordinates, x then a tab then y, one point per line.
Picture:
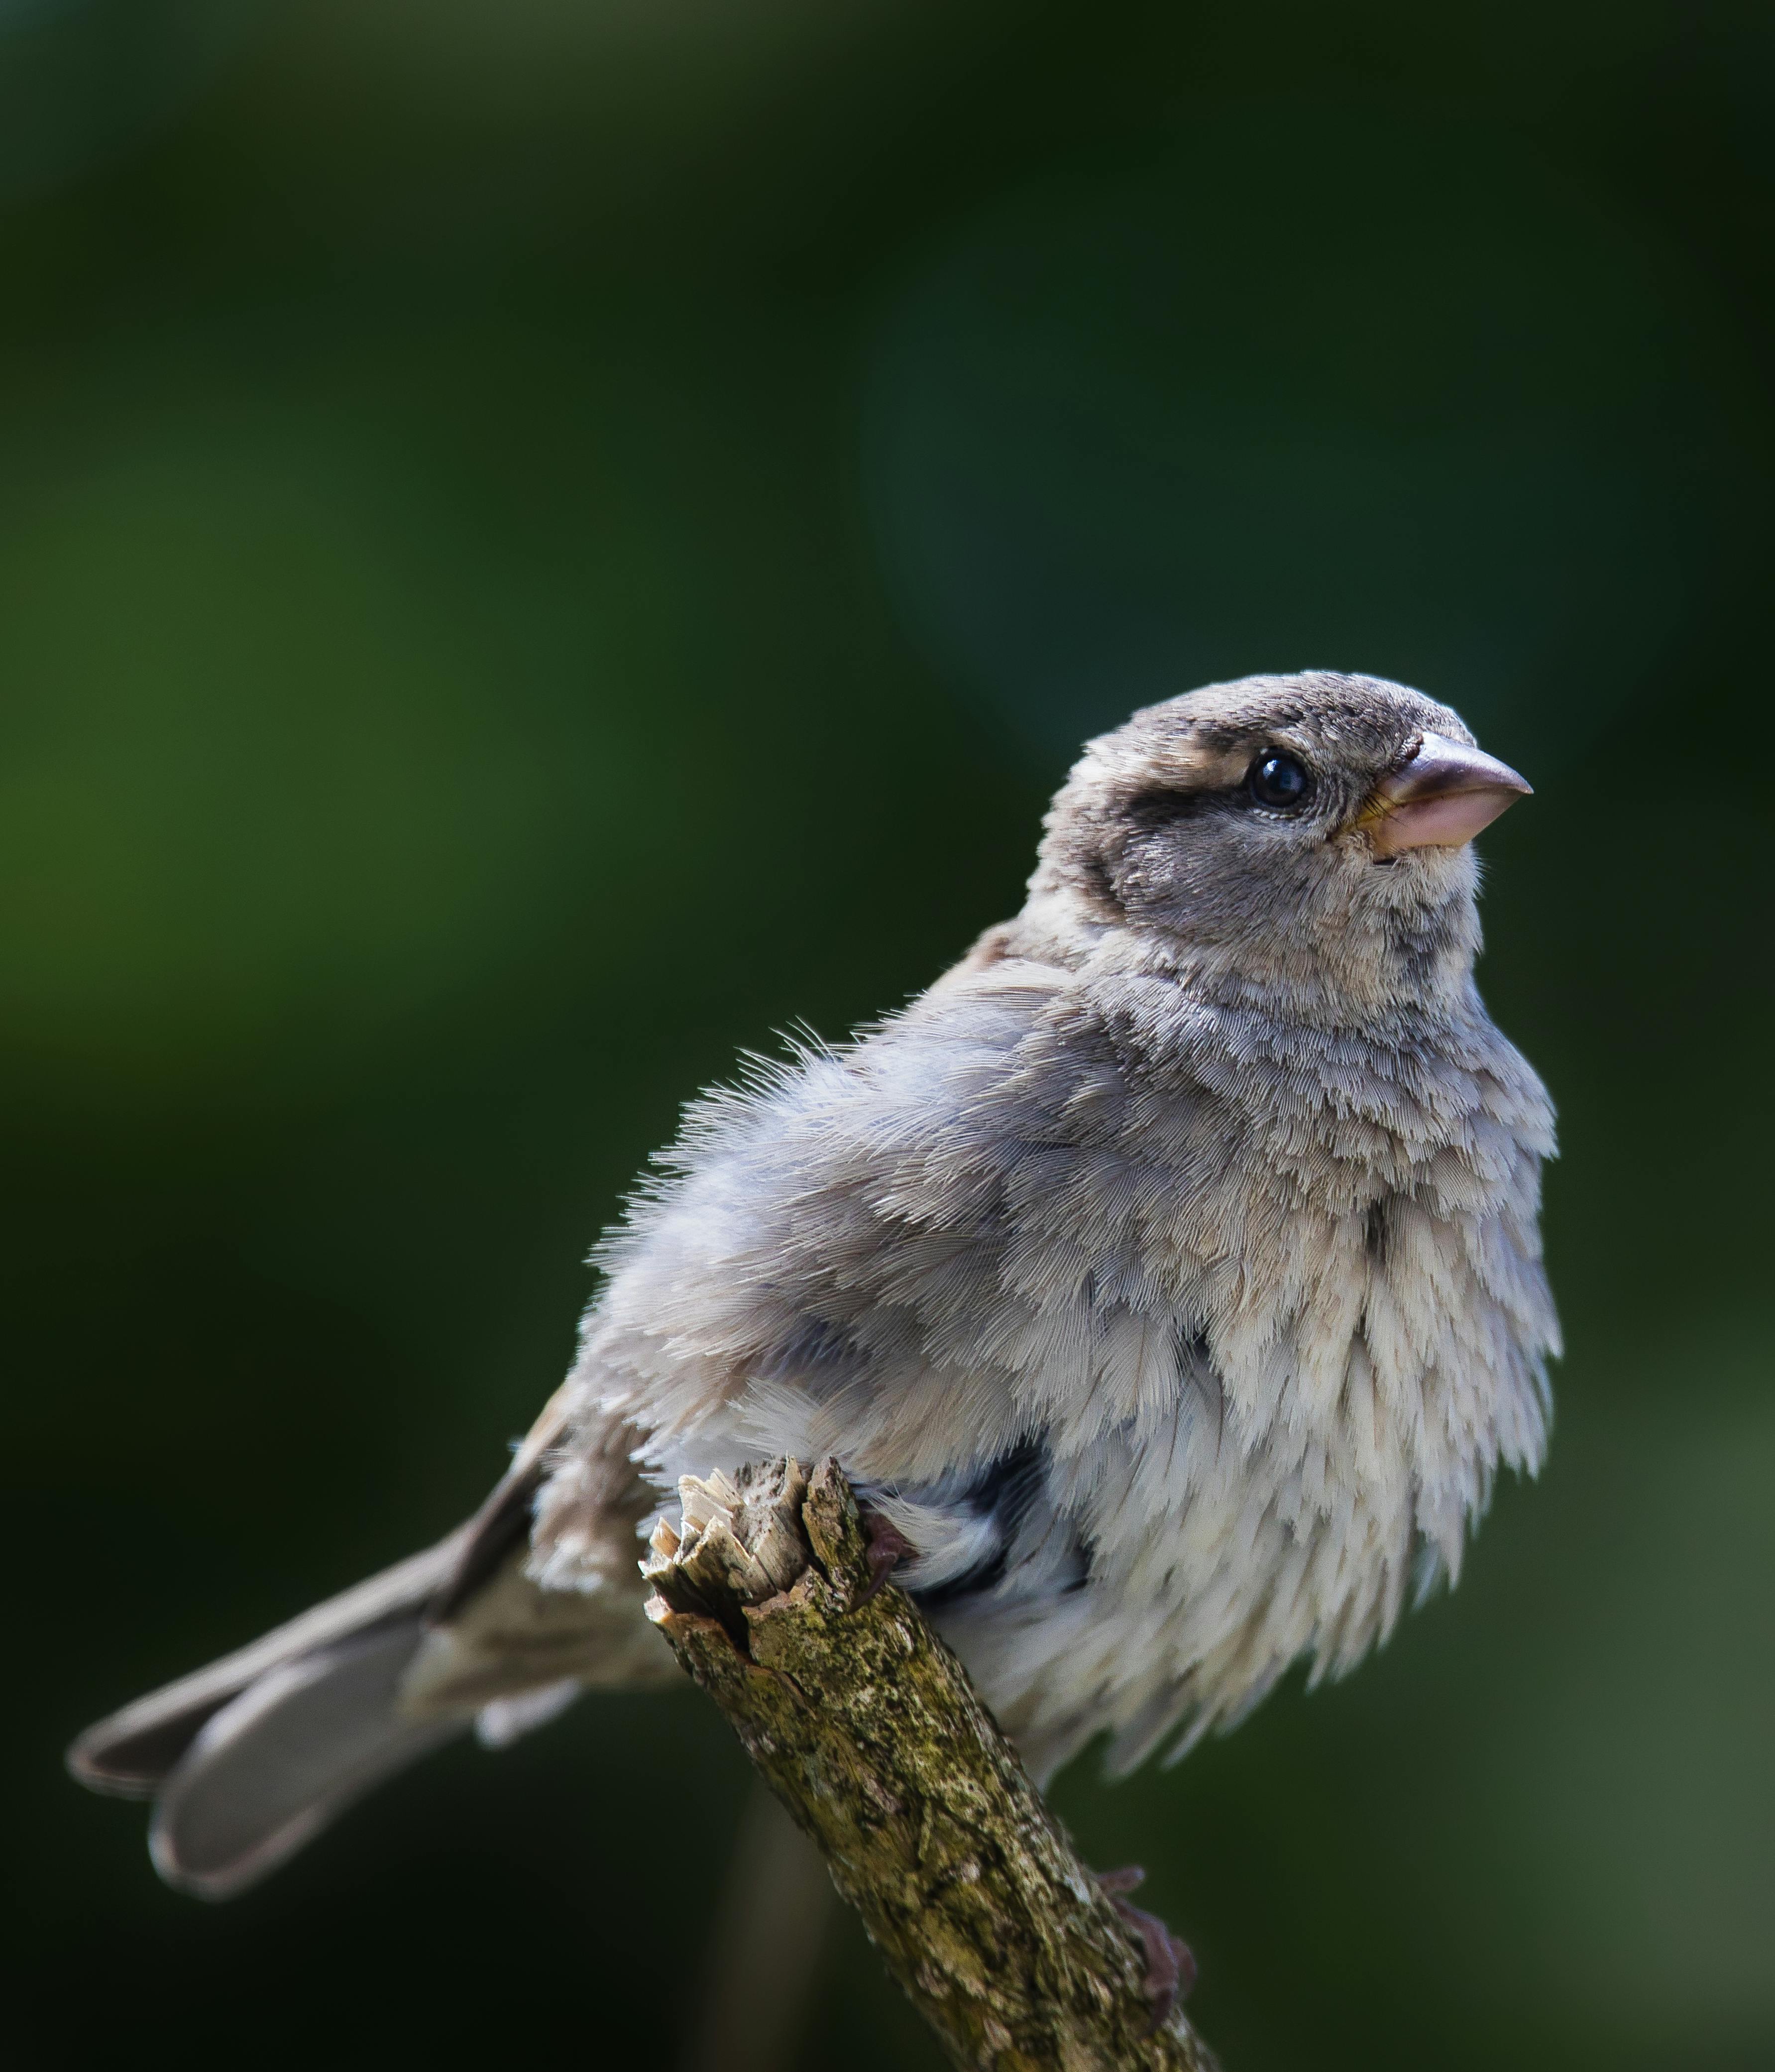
1279	781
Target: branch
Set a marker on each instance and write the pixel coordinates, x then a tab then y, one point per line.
866	1727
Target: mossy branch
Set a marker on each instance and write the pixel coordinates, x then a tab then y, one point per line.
866	1726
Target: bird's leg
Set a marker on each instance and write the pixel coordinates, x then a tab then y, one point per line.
888	1547
1170	1964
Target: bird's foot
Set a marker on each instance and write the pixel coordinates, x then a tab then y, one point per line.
888	1547
1170	1964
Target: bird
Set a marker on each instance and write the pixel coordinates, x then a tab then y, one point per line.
1167	1280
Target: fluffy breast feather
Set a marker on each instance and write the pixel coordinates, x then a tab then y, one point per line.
1044	1205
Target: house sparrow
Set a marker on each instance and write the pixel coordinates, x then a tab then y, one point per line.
1166	1279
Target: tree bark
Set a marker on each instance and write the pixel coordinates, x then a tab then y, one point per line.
866	1726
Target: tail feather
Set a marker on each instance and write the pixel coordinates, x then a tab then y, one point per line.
271	1769
249	1758
132	1752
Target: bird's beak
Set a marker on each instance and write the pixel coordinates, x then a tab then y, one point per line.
1440	796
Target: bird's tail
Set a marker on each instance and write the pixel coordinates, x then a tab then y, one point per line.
249	1758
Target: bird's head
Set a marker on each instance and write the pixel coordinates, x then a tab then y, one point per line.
1308	836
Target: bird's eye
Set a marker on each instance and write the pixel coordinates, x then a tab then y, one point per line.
1279	781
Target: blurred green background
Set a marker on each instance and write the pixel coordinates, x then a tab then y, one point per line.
540	541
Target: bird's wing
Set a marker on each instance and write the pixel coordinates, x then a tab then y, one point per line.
892	1253
503	1521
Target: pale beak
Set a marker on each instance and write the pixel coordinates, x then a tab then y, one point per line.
1440	797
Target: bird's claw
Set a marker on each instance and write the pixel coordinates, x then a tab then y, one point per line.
1170	1962
888	1547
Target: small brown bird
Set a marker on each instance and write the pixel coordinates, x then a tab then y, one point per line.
1166	1278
